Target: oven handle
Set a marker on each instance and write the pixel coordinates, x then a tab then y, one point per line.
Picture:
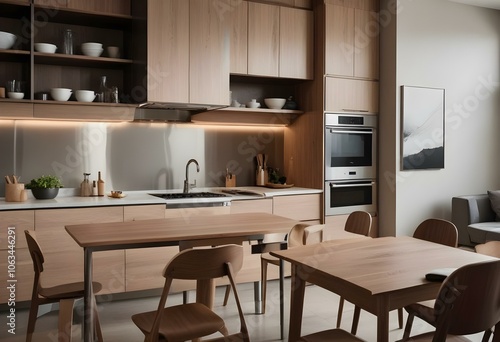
350	185
337	130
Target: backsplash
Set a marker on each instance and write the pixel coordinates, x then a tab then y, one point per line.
133	156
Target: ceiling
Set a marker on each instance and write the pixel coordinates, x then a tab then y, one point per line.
483	3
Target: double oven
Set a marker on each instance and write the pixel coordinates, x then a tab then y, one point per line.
350	163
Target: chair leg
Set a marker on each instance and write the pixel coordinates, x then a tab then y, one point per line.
409	324
226	295
400	318
32	320
97	323
65	319
263	283
355	319
487	335
341	309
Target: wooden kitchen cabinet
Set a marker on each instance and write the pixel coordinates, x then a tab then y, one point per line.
16	110
296	43
280	41
299	207
343	95
351	39
13	248
238	16
263	39
63	256
188	53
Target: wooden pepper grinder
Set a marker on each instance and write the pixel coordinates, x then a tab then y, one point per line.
100	185
85	186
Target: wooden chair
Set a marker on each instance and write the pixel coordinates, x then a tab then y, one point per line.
468	302
434	230
300	235
64	294
491	248
358	222
194	320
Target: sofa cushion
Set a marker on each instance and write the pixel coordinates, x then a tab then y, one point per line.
484	231
494	196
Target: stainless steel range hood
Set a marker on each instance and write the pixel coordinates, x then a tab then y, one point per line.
170	112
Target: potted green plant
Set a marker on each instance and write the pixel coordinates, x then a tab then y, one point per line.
45	187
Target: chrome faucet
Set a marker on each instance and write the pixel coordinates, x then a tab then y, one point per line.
188	186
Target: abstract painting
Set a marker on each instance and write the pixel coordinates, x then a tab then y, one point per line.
422	128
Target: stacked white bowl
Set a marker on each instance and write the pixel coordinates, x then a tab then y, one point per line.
60	94
92	49
45	47
274	103
85	95
7	40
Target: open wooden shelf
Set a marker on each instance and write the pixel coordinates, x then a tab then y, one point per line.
78	60
247	117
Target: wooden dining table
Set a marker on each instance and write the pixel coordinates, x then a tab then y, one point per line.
189	230
378	275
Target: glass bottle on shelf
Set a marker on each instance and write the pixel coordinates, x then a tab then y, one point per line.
104	93
68	42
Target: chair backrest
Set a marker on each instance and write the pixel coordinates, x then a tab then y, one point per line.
468	301
359	222
302	234
202	264
437	230
35	251
491	248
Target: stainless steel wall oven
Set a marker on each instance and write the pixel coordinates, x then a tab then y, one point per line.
350	163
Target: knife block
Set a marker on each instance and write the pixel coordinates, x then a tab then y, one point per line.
15	193
230	181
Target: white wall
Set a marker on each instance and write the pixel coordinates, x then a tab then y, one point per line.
440	44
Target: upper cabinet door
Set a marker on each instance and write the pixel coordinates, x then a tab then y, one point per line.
239	38
209	52
366	41
339	42
296	43
263	39
351	40
168	51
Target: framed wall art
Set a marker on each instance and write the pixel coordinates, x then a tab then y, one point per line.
423	113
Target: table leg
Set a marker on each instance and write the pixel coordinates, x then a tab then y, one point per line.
296	305
383	320
88	303
282	305
257	296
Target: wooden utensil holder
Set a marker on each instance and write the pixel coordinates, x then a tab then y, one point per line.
230	181
15	193
261	177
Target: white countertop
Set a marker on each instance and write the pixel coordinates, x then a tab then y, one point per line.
66	198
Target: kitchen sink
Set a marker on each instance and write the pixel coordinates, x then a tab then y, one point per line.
181	195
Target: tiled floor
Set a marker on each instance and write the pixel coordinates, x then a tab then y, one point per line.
320	312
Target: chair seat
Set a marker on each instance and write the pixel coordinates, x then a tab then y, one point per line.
66	291
331	335
183	322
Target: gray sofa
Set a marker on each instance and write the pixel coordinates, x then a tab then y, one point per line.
475	219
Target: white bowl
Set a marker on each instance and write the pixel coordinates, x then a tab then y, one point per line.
84	95
92	52
60	94
7	40
15	95
252	104
45	47
274	103
92	45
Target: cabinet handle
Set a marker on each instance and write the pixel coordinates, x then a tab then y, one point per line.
355	110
